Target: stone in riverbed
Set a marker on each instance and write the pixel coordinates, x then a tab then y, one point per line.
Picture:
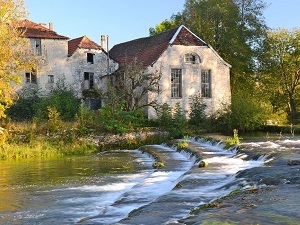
293	162
203	164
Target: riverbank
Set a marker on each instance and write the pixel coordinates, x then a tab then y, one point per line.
25	141
270	197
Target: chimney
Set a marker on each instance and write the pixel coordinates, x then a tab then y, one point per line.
103	42
51	26
43	24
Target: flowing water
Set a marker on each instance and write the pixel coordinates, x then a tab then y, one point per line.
105	188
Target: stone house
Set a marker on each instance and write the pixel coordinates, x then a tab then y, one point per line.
187	64
79	63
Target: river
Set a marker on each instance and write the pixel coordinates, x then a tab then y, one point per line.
104	188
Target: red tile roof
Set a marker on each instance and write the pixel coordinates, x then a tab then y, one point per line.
82	42
147	50
34	30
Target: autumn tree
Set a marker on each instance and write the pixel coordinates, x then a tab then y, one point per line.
12	54
280	76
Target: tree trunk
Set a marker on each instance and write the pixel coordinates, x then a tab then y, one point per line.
292	107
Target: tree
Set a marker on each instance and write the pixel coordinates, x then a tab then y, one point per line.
12	53
165	25
281	67
133	84
234	28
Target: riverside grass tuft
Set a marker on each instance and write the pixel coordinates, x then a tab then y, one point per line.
25	140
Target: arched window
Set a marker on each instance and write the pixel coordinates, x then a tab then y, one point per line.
192	58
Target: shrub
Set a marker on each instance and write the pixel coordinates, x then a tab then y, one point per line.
197	116
116	120
246	113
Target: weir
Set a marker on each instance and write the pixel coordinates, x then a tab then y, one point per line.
127	190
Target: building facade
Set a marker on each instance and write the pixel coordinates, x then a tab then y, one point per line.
188	67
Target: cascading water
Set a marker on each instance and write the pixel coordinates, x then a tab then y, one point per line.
88	197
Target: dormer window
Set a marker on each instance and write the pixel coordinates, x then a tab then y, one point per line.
192	58
90	58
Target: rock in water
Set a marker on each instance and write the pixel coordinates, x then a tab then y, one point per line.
293	162
203	164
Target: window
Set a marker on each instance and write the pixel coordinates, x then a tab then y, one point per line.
31	77
50	79
36	46
191	58
90	58
88	80
95	104
206	83
176	83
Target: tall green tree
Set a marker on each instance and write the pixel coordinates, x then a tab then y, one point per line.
234	29
165	25
281	68
12	55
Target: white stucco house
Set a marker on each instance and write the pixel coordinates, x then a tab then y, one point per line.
80	63
188	66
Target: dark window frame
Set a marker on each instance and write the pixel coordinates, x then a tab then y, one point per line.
89	77
50	78
206	84
36	46
192	58
31	77
90	58
176	83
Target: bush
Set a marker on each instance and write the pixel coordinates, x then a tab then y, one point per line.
197	115
176	123
119	121
246	113
24	108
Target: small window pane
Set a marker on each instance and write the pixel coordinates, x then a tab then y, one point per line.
176	83
50	79
191	58
206	83
90	58
27	75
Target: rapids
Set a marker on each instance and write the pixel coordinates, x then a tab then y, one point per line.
119	187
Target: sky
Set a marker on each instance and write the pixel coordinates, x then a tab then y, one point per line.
125	20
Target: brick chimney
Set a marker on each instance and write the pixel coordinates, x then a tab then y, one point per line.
51	26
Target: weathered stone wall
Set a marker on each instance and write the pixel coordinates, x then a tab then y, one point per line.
111	141
54	61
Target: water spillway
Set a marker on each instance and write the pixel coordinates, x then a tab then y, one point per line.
119	187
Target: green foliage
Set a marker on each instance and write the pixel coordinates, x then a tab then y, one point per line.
231	141
156	165
165	25
280	76
30	105
173	120
120	121
182	144
246	113
197	111
53	118
65	102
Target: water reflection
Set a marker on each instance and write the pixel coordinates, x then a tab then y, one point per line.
19	178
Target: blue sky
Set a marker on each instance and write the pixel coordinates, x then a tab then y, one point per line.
125	20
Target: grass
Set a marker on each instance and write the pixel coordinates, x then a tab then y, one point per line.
38	140
29	140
